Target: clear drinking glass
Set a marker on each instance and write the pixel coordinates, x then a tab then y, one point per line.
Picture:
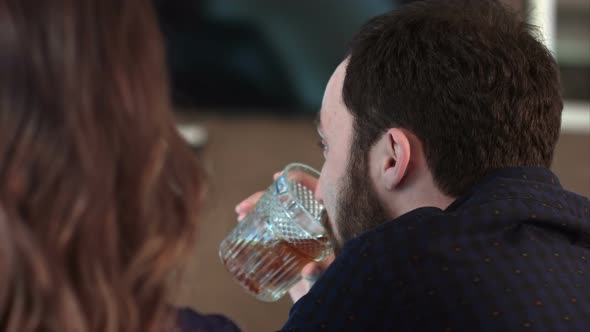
266	251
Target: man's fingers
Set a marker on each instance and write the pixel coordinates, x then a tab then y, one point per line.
326	262
247	204
309	275
312	271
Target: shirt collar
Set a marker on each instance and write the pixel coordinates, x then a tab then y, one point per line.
525	174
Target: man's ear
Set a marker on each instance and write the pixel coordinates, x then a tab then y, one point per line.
397	157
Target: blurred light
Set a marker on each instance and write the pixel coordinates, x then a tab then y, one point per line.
575	118
543	15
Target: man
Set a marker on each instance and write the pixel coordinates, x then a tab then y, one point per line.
438	131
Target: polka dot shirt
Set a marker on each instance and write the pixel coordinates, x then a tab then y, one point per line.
513	254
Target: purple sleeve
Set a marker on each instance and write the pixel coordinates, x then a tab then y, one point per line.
190	321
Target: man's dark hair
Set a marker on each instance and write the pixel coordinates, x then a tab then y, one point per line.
468	78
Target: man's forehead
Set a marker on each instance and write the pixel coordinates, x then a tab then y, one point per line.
333	93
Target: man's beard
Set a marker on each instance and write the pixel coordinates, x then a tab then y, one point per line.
358	207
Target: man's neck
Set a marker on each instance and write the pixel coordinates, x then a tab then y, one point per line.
422	193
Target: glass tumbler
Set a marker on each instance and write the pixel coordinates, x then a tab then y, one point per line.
266	251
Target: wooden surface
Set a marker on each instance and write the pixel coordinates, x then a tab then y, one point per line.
241	155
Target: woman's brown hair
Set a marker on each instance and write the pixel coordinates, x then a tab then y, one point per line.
98	192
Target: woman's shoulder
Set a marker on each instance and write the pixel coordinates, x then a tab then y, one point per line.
191	321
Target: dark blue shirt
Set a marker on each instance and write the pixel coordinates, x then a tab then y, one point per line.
511	255
190	321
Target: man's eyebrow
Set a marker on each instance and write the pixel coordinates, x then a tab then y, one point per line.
318	122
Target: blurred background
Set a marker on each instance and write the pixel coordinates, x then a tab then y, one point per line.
247	79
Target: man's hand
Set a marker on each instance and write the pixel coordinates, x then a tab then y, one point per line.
310	272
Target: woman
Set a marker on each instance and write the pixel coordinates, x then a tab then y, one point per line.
98	193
